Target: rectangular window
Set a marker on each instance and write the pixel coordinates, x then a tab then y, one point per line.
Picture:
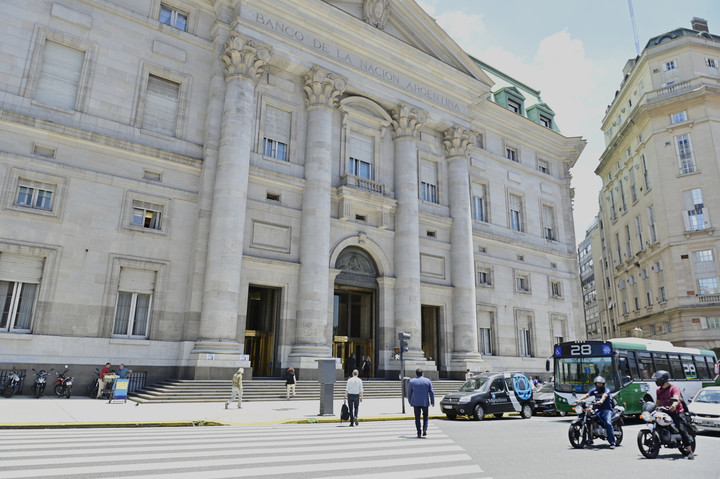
695	217
633	186
545	121
485	341
516	213
514	106
646	178
276	133
671	65
59	76
522	283
525	342
134	302
651	223
173	17
622	195
484	277
611	198
708	286
548	217
684	152
428	181
479	202
511	154
162	99
710	62
544	166
678	117
146	215
361	156
35	194
429	192
556	289
17	300
639	233
628	241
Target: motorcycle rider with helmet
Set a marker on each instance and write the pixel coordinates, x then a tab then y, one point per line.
669	395
603	403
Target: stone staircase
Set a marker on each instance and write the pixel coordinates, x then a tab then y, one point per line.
189	391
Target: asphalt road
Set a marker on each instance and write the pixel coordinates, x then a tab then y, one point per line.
513	447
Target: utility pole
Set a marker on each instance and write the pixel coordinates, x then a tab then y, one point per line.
635	34
403	338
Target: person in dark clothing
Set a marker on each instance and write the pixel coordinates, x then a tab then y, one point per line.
367	365
290	382
420	396
351	364
603	403
669	395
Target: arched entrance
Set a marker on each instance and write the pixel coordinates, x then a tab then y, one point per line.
355	309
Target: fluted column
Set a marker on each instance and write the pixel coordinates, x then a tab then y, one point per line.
407	123
464	317
322	90
244	63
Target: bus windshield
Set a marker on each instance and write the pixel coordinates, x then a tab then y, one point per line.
577	374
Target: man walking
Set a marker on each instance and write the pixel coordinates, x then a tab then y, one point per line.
236	389
420	396
354	396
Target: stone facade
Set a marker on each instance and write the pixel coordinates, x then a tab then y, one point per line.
192	186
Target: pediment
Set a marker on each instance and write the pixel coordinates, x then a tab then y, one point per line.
406	21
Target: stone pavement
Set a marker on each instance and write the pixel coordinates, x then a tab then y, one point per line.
54	412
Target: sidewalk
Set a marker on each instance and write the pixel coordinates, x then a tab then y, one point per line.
53	412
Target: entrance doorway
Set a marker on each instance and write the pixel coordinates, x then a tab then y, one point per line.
262	310
430	342
353	328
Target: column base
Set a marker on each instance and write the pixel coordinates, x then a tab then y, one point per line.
214	359
303	357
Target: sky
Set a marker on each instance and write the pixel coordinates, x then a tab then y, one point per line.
573	51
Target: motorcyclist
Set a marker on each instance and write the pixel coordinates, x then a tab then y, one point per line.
669	395
603	403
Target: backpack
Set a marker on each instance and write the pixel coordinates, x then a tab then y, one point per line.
344	413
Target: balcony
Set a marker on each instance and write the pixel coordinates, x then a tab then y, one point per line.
681	88
709	298
364	184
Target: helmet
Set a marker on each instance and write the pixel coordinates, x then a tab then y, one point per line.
600	380
661	377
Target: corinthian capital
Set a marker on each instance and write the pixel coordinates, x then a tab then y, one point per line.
407	121
322	88
244	57
457	141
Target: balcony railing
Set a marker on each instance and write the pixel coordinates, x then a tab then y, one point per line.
709	298
364	184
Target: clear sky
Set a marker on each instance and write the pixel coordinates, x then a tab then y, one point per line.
573	51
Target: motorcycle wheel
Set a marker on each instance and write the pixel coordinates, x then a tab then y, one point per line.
92	391
526	412
618	431
576	436
38	392
59	390
692	446
648	443
479	412
8	391
67	393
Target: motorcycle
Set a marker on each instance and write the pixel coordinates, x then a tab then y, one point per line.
63	383
661	431
38	387
588	426
12	385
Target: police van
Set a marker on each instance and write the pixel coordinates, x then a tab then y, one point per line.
491	393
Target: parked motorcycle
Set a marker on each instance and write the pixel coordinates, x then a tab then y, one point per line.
63	383
38	386
661	431
12	385
588	426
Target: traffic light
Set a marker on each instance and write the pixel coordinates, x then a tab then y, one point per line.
403	337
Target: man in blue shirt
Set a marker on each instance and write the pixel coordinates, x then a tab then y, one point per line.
421	395
123	372
603	403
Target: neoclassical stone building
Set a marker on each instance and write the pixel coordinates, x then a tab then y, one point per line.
193	185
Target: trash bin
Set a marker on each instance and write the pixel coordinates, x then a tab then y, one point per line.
326	376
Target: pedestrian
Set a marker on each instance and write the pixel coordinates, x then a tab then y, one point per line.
420	396
290	382
367	365
102	382
123	372
351	364
354	396
468	374
236	388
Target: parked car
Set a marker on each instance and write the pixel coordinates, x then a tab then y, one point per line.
544	398
705	408
491	393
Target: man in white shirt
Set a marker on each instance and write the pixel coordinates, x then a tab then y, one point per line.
354	396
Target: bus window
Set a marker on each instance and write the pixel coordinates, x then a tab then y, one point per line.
633	364
624	370
676	368
702	368
645	365
688	367
662	363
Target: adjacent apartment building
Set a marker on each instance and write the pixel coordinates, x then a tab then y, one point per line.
656	262
189	186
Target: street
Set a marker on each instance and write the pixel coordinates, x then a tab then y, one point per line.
509	447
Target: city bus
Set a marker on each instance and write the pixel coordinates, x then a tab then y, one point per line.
628	365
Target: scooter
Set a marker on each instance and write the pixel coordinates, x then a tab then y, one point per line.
12	385
588	426
661	431
38	387
63	383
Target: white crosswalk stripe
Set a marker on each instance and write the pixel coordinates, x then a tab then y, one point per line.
376	449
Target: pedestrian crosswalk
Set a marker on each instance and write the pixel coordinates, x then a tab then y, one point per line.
374	449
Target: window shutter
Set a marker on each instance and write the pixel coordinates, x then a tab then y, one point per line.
21	268
59	76
485	319
478	190
548	217
558	328
161	105
137	280
515	203
361	148
277	124
428	172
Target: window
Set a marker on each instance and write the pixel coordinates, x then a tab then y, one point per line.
160	110
428	181
173	17
514	106
622	195
516	213
361	156
661	294
19	279
60	76
544	167
545	121
484	277
678	117
645	173
479	202
511	154
146	215
277	133
683	149
705	271
522	283
710	62
651	223
611	199
628	241
485	341
695	217
633	186
713	323
639	233
525	342
35	194
134	302
556	289
671	65
548	217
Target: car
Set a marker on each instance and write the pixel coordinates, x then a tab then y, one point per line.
705	408
491	393
544	398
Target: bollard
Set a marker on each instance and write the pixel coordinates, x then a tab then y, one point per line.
326	376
